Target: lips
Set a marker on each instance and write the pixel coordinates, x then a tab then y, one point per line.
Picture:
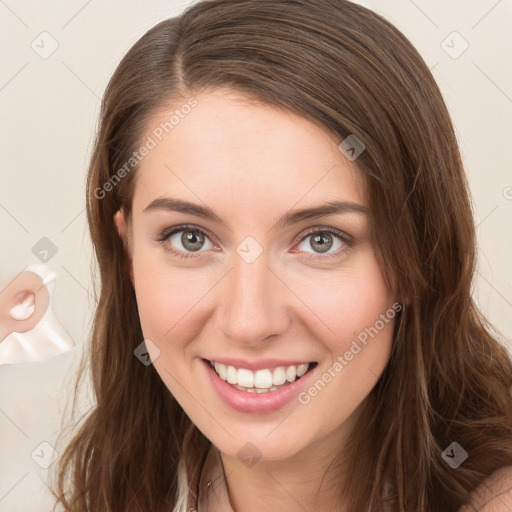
259	400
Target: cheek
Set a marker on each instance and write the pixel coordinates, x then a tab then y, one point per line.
167	298
349	301
357	358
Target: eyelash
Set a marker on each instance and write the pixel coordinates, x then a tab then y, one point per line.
343	237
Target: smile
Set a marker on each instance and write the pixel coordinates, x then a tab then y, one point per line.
260	381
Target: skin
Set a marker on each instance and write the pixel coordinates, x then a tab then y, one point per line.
252	164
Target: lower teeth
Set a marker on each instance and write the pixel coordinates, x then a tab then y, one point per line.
259	390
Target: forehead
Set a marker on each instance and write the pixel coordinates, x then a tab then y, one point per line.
230	149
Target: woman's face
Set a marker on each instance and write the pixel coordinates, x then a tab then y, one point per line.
244	280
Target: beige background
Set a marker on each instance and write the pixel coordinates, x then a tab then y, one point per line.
49	107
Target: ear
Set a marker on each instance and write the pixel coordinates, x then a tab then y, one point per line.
122	229
23	303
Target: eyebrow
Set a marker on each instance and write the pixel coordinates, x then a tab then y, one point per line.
292	217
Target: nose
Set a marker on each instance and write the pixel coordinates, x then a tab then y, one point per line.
253	303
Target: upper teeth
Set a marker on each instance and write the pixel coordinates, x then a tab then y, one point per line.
261	378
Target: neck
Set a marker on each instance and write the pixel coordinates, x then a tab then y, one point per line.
307	480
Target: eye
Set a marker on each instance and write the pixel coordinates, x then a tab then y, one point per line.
321	240
181	240
186	241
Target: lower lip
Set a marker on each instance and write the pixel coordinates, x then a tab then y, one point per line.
256	403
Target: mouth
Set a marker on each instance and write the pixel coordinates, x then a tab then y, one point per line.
265	380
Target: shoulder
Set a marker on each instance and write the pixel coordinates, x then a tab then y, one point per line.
494	494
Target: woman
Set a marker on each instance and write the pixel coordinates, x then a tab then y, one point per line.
283	229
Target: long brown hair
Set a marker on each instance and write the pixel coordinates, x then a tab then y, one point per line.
448	378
